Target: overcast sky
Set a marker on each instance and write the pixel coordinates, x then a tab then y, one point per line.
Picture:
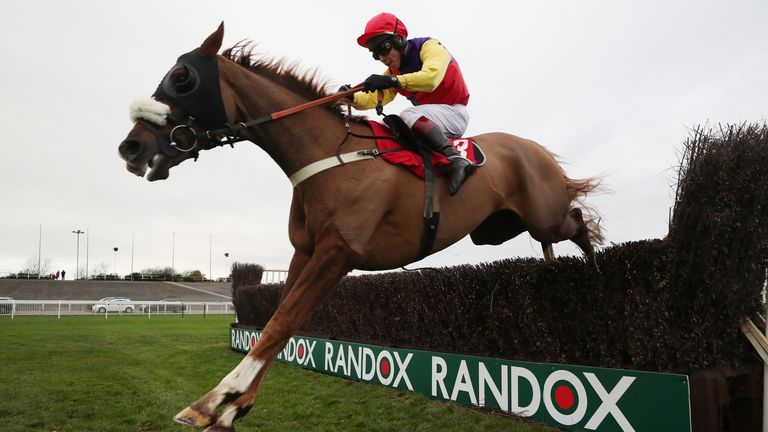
613	87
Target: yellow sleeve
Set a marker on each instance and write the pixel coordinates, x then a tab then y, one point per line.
435	59
365	101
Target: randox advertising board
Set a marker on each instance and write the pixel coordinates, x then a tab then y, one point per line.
565	396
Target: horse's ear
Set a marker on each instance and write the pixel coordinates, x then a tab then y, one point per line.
212	44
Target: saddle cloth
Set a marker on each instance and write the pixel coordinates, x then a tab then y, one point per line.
412	160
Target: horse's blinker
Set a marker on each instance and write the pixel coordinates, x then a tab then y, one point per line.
199	93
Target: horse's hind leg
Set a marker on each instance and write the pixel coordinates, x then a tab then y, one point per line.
549	254
581	235
573	228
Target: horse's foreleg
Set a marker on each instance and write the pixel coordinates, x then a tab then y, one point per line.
321	274
298	263
203	412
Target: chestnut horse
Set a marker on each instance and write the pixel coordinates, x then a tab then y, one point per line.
364	215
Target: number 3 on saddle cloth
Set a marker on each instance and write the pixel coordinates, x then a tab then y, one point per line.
409	155
406	151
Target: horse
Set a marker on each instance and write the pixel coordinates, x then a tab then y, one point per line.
366	215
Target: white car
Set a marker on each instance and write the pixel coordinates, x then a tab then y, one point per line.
114	304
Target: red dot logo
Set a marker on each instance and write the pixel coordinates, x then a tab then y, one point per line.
564	397
384	367
253	341
301	351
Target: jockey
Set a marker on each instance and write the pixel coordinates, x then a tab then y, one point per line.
423	71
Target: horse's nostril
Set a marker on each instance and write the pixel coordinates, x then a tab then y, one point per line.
129	148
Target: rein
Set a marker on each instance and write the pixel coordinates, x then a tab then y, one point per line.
193	85
158	113
231	133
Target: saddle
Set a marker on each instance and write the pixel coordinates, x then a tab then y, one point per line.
404	149
398	145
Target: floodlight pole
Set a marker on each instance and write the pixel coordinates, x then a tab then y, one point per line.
77	259
39	250
133	237
87	250
115	267
173	257
229	268
210	257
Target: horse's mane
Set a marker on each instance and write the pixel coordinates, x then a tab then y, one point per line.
308	83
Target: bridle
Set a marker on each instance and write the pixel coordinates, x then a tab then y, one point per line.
193	96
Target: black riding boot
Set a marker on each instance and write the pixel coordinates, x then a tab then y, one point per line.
434	138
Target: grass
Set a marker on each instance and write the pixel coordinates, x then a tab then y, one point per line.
133	374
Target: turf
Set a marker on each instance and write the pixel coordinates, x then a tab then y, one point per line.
131	373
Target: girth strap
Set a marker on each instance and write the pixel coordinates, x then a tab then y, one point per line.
431	205
405	136
329	162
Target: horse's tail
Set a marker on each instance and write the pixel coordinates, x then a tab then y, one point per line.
578	189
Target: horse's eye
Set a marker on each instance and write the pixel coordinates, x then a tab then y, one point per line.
185	82
182	80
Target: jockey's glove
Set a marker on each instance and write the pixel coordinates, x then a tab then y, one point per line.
380	82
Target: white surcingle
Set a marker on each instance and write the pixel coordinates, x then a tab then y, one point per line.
150	110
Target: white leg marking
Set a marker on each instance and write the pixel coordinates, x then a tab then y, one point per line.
227	417
241	376
236	381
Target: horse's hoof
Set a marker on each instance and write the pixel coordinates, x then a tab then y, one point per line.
190	417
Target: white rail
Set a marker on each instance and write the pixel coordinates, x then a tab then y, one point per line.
269	276
59	308
274	276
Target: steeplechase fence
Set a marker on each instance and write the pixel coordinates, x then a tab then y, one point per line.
561	395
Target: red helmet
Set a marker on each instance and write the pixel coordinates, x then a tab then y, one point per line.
383	23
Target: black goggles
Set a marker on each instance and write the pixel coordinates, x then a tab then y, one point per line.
381	49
